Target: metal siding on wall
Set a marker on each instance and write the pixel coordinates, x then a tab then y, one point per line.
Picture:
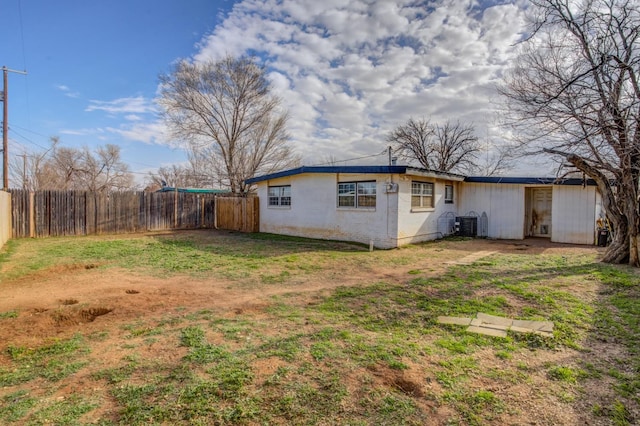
503	204
574	214
507	212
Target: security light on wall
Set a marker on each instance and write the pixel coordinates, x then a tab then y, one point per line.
391	187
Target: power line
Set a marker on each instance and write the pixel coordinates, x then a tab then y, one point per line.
29	130
26	138
350	159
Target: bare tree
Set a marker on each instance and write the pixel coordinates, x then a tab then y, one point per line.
178	175
103	171
71	168
28	168
451	147
225	110
574	94
60	169
493	160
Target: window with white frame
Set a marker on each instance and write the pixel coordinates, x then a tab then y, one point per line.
421	195
448	194
280	195
357	194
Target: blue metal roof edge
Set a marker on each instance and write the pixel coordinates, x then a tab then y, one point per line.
408	169
530	180
328	169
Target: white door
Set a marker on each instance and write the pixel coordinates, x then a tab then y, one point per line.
541	212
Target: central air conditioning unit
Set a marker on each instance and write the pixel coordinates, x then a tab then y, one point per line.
466	226
391	187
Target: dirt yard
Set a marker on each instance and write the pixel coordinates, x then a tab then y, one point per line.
63	300
86	298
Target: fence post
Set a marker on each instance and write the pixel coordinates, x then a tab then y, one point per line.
32	214
215	212
175	209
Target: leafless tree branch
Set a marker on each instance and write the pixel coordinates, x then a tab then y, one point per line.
225	111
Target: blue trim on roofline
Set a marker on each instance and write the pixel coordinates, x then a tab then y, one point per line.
530	180
330	169
405	169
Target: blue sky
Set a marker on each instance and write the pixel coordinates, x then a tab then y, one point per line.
347	70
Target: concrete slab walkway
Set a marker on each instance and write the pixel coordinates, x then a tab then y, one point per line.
492	325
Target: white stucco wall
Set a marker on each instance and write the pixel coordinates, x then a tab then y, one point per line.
503	203
415	225
314	213
574	214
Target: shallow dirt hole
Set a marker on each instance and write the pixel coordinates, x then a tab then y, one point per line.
91	314
408	387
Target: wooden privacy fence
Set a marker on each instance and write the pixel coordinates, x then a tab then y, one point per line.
238	213
5	217
58	213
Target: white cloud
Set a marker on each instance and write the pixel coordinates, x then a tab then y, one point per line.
67	91
81	132
146	132
350	70
130	105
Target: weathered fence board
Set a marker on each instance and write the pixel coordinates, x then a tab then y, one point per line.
238	213
5	217
58	213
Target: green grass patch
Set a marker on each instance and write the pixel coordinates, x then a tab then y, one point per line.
52	362
565	374
372	353
8	314
16	405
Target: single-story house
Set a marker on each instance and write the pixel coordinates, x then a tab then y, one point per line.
391	206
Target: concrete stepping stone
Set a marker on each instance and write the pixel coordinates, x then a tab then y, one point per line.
487	331
546	326
492	325
492	319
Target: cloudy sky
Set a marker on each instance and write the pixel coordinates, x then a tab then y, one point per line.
347	70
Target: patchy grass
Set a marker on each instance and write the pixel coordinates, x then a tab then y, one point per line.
232	256
370	353
8	314
52	362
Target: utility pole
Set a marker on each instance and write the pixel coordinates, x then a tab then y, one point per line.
24	170
5	126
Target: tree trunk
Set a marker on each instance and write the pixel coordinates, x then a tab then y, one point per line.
633	237
633	251
618	250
